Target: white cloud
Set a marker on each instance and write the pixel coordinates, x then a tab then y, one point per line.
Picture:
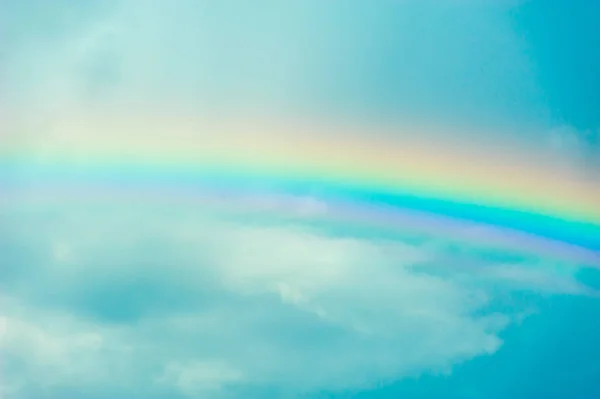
202	55
43	352
184	302
540	278
197	378
576	149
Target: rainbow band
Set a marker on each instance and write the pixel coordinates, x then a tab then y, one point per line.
504	190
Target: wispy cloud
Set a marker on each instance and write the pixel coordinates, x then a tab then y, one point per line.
347	56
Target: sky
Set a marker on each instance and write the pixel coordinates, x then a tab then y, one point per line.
341	199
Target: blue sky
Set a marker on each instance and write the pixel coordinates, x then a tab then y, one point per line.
156	302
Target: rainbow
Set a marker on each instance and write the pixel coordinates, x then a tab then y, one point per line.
410	177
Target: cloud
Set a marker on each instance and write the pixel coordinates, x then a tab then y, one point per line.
188	304
200	377
347	57
540	279
578	149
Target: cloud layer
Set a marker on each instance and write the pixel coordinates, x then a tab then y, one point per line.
130	302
